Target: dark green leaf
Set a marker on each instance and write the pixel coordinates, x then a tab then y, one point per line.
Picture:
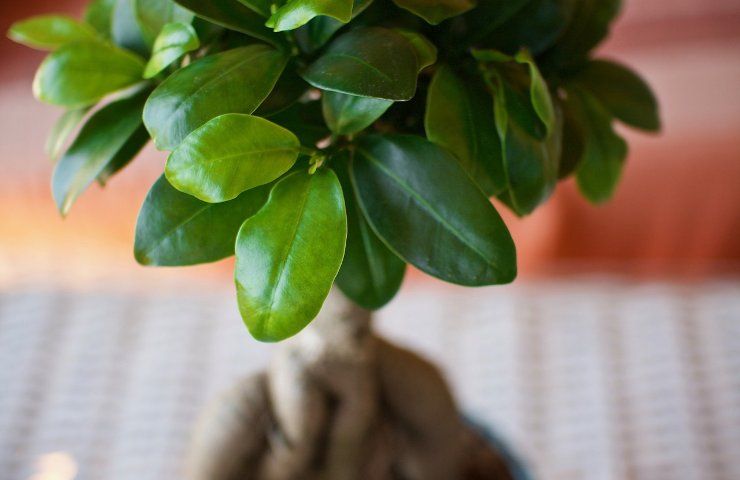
80	74
622	92
125	155
426	52
289	88
259	6
604	151
359	63
319	30
49	32
420	201
235	81
97	145
126	30
288	254
99	14
539	92
434	11
296	13
176	229
573	142
153	15
233	15
61	131
230	154
371	274
489	15
459	117
175	40
305	121
348	114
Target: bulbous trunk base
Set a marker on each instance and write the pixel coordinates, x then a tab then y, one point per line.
341	403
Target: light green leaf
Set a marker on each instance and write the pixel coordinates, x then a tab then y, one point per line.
176	40
288	254
80	74
235	81
371	274
101	139
459	117
358	63
99	14
622	92
49	32
435	11
348	114
420	201
176	229
426	52
62	129
230	154
296	13
539	92
235	16
153	15
604	151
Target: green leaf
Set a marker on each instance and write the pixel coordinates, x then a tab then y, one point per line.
176	40
531	154
320	30
305	120
348	114
435	11
80	74
296	13
229	155
98	144
153	15
125	155
536	26
489	15
622	92
176	229
288	90
288	254
420	201
588	27
574	140
62	129
359	63
235	81
604	151
49	32
259	6
426	52
99	14
126	31
233	15
371	274
539	92
459	117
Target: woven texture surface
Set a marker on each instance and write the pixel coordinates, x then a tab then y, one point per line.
589	380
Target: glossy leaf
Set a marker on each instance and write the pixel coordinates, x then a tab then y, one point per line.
320	30
371	274
235	81
233	15
259	6
126	31
176	40
288	254
97	145
435	11
125	155
49	32
622	92
459	117
153	15
99	14
176	229
230	154
348	114
62	129
296	13
539	91
604	151
424	206
80	74
358	63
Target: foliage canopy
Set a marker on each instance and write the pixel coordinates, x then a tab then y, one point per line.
335	141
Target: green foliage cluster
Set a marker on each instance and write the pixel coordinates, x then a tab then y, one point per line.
327	141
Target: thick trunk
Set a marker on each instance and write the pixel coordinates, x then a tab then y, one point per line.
339	403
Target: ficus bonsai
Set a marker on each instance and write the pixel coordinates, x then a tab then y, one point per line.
333	142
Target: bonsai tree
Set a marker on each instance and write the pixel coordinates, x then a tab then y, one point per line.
333	142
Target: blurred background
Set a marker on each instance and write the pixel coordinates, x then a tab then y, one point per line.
615	356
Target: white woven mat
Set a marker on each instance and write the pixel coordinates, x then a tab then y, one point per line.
589	379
